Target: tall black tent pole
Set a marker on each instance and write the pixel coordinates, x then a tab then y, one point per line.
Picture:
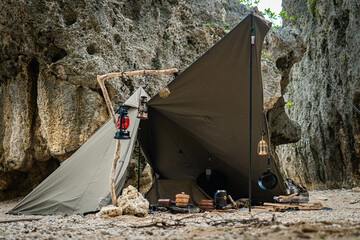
139	158
252	42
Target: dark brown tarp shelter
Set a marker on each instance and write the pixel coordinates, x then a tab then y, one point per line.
207	113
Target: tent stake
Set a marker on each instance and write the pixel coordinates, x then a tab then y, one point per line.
252	42
101	80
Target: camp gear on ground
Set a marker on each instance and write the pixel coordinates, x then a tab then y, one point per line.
220	199
143	109
182	199
292	198
164	202
268	180
122	123
206	204
293	187
168	188
210	185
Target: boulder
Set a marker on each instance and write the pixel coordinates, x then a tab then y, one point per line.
133	203
110	211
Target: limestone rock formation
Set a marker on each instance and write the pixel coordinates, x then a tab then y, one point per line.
110	211
146	179
146	176
328	154
133	203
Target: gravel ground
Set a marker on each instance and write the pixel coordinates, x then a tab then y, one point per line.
340	221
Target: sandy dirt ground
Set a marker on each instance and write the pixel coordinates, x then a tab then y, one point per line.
339	220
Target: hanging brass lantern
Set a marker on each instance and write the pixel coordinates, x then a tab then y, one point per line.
143	109
263	148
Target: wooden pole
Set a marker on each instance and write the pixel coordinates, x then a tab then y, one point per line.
101	80
107	100
138	72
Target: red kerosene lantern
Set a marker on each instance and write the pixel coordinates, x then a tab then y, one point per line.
122	123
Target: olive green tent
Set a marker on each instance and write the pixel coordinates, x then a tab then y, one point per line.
81	183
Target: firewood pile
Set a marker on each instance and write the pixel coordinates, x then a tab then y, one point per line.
275	207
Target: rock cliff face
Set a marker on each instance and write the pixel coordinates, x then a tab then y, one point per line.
328	154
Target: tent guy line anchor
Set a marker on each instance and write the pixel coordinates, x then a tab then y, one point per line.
101	80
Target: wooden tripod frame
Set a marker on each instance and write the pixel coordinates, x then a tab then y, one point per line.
101	80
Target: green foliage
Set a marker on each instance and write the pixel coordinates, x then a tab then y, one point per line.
226	26
249	3
311	7
345	58
207	25
288	104
283	14
265	55
270	14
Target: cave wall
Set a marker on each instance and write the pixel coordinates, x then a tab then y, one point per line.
328	154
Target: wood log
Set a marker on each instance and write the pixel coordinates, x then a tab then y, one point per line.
294	206
107	100
233	203
275	204
288	196
112	173
138	72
